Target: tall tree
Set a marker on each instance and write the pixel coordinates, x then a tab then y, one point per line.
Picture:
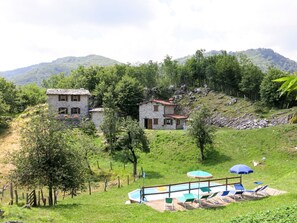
201	131
129	93
251	78
47	158
131	139
110	122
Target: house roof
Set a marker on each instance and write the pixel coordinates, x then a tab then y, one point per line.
97	110
162	102
175	116
68	92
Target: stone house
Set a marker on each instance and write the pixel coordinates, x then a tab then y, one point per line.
69	103
159	114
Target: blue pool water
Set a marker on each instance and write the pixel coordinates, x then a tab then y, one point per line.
175	191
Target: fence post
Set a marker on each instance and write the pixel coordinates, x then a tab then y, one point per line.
226	183
38	199
119	182
98	165
90	190
189	187
27	198
169	190
11	194
105	184
128	180
16	197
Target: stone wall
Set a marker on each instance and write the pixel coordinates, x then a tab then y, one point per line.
146	111
97	118
55	104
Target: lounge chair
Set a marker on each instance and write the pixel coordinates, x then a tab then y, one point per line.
208	197
205	189
258	191
239	187
186	198
168	203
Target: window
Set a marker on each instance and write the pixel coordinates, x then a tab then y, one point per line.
75	111
167	121
75	97
63	111
63	98
156	107
156	121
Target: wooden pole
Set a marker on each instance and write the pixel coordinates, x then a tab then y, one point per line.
90	190
98	164
11	193
128	180
119	182
105	184
16	197
38	199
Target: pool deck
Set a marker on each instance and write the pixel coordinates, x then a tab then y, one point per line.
158	205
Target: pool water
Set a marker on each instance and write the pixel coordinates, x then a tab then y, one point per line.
175	191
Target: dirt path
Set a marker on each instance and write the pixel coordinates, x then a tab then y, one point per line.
9	142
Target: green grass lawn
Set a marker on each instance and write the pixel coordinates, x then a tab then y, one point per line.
172	155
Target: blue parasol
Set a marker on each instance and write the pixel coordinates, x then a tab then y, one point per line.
241	169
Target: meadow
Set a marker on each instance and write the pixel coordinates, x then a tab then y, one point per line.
173	154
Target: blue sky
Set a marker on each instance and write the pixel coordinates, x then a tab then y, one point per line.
34	31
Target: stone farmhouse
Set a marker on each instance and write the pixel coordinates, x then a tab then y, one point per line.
159	114
69	103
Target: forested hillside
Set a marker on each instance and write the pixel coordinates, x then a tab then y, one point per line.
261	57
37	73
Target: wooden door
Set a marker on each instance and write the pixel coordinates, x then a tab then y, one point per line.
150	123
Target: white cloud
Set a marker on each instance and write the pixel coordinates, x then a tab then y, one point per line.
35	31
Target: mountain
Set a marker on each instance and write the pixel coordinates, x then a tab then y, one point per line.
263	58
37	73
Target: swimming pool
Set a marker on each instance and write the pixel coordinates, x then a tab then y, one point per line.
176	190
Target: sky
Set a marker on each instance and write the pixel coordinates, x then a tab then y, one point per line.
136	31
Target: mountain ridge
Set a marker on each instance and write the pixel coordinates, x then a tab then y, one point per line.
38	72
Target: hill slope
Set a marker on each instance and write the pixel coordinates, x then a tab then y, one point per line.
37	73
263	58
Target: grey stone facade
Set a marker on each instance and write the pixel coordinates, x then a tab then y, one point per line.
97	116
158	114
69	103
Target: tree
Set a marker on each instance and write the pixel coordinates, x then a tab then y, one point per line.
48	157
251	78
131	139
201	131
31	95
129	93
109	125
269	89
